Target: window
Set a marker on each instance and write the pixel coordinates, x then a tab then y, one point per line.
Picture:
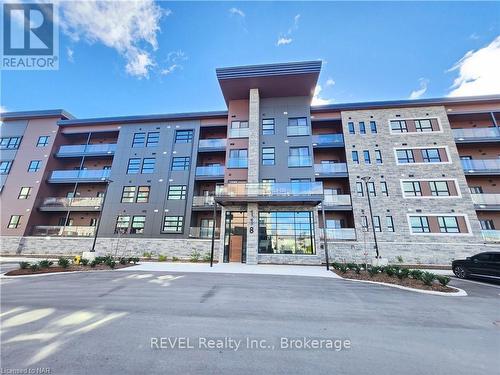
128	194
376	224
487	224
448	224
206	228
297	126
423	125
362	128
173	224
364	222
359	189
139	140
405	156
378	157
476	189
176	192
24	193
42	141
371	189
268	180
184	136
143	194
10	143
137	226
399	126
383	188
439	188
34	165
373	127
350	125
180	163
355	158
14	222
239	129
299	157
419	224
389	223
366	156
133	165
431	155
5	166
93	222
148	165
412	188
268	126
122	223
153	139
286	232
465	157
268	156
238	158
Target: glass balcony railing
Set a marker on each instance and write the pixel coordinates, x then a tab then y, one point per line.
203	201
203	232
324	140
92	175
278	189
61	231
491	235
238	133
298	130
211	144
486	199
97	149
210	171
483	166
237	163
331	200
330	169
342	234
300	161
55	202
476	134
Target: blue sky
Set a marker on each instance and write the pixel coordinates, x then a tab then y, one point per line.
163	60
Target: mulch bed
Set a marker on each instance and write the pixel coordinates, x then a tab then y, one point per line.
71	268
383	278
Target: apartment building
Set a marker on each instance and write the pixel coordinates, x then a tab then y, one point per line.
271	179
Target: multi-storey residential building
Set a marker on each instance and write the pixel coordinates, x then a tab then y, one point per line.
289	179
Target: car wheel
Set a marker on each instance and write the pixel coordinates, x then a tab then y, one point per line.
460	272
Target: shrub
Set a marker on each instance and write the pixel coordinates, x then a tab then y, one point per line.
443	280
403	273
427	278
146	255
175	259
195	256
335	265
416	274
110	262
63	262
373	270
134	260
24	265
45	263
93	263
343	268
206	257
84	262
34	267
351	266
162	258
390	271
356	269
399	259
123	261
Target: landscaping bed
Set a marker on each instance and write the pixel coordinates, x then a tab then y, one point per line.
409	278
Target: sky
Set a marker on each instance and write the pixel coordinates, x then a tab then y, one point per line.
144	57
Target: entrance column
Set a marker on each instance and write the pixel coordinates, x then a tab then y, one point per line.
253	174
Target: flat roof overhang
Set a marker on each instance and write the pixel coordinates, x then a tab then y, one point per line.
310	200
272	80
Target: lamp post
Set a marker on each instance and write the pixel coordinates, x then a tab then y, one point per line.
108	181
365	180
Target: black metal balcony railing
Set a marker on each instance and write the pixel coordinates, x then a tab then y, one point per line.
481	166
328	140
104	149
80	175
470	135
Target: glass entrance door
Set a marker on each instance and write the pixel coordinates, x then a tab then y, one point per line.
235	238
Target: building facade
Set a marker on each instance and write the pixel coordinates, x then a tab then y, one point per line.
271	179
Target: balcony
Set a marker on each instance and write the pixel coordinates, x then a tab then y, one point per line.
79	175
203	232
239	133
330	170
210	172
237	163
70	151
208	145
471	135
491	235
305	192
61	231
337	202
201	202
328	140
73	204
481	167
338	234
292	131
300	161
486	201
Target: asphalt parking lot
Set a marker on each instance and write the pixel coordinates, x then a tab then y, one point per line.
106	322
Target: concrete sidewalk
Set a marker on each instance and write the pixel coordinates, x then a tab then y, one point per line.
261	269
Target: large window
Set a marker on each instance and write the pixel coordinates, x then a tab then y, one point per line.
419	224
10	142
268	126
487	224
431	155
350	125
359	189
376	224
405	156
362	128
239	129
423	125
153	139
42	141
399	126
143	194
366	156
355	157
14	222
137	226
286	233
34	165
389	223
24	193
133	166
371	189
268	156
122	223
176	192
448	224
5	166
373	127
183	136
180	163
173	224
412	188
439	188
238	158
128	194
148	165
378	157
139	140
299	157
297	126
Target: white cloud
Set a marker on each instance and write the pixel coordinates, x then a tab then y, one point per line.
330	82
70	54
174	60
287	38
129	27
317	99
3	109
474	36
416	94
478	72
283	41
237	12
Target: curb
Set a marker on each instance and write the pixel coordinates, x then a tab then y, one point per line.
4	276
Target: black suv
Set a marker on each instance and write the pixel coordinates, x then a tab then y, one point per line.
481	265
